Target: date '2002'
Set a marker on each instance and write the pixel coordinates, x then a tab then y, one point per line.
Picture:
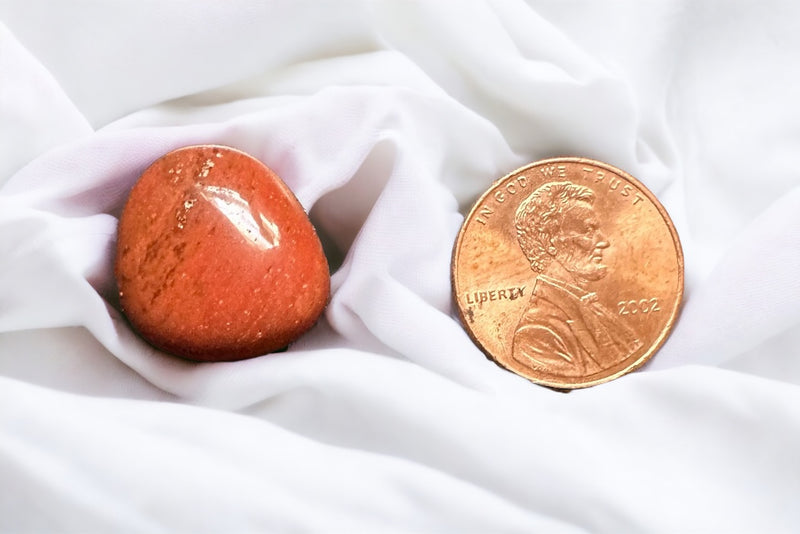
632	307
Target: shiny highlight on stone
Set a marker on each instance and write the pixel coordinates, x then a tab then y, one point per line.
216	259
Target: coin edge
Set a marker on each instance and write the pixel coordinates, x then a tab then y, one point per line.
676	309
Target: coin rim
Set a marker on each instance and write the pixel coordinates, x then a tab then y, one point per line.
675	312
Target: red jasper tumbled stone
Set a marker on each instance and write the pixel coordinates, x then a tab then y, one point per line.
216	258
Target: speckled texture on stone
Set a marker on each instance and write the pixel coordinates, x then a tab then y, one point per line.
216	258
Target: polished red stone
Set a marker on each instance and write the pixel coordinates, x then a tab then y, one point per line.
216	258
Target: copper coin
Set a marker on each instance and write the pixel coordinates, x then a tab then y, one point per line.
568	272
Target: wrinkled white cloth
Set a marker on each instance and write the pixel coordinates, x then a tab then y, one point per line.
388	118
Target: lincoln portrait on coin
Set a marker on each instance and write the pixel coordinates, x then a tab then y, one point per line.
565	330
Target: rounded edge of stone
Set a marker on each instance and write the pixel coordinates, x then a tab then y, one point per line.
191	355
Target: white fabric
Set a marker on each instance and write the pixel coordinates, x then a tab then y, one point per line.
388	118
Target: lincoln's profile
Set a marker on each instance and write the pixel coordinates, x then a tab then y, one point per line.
565	331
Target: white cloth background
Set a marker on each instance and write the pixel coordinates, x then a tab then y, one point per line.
387	119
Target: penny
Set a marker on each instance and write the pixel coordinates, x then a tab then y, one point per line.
216	259
568	272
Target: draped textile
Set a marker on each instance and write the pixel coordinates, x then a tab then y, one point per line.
388	118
